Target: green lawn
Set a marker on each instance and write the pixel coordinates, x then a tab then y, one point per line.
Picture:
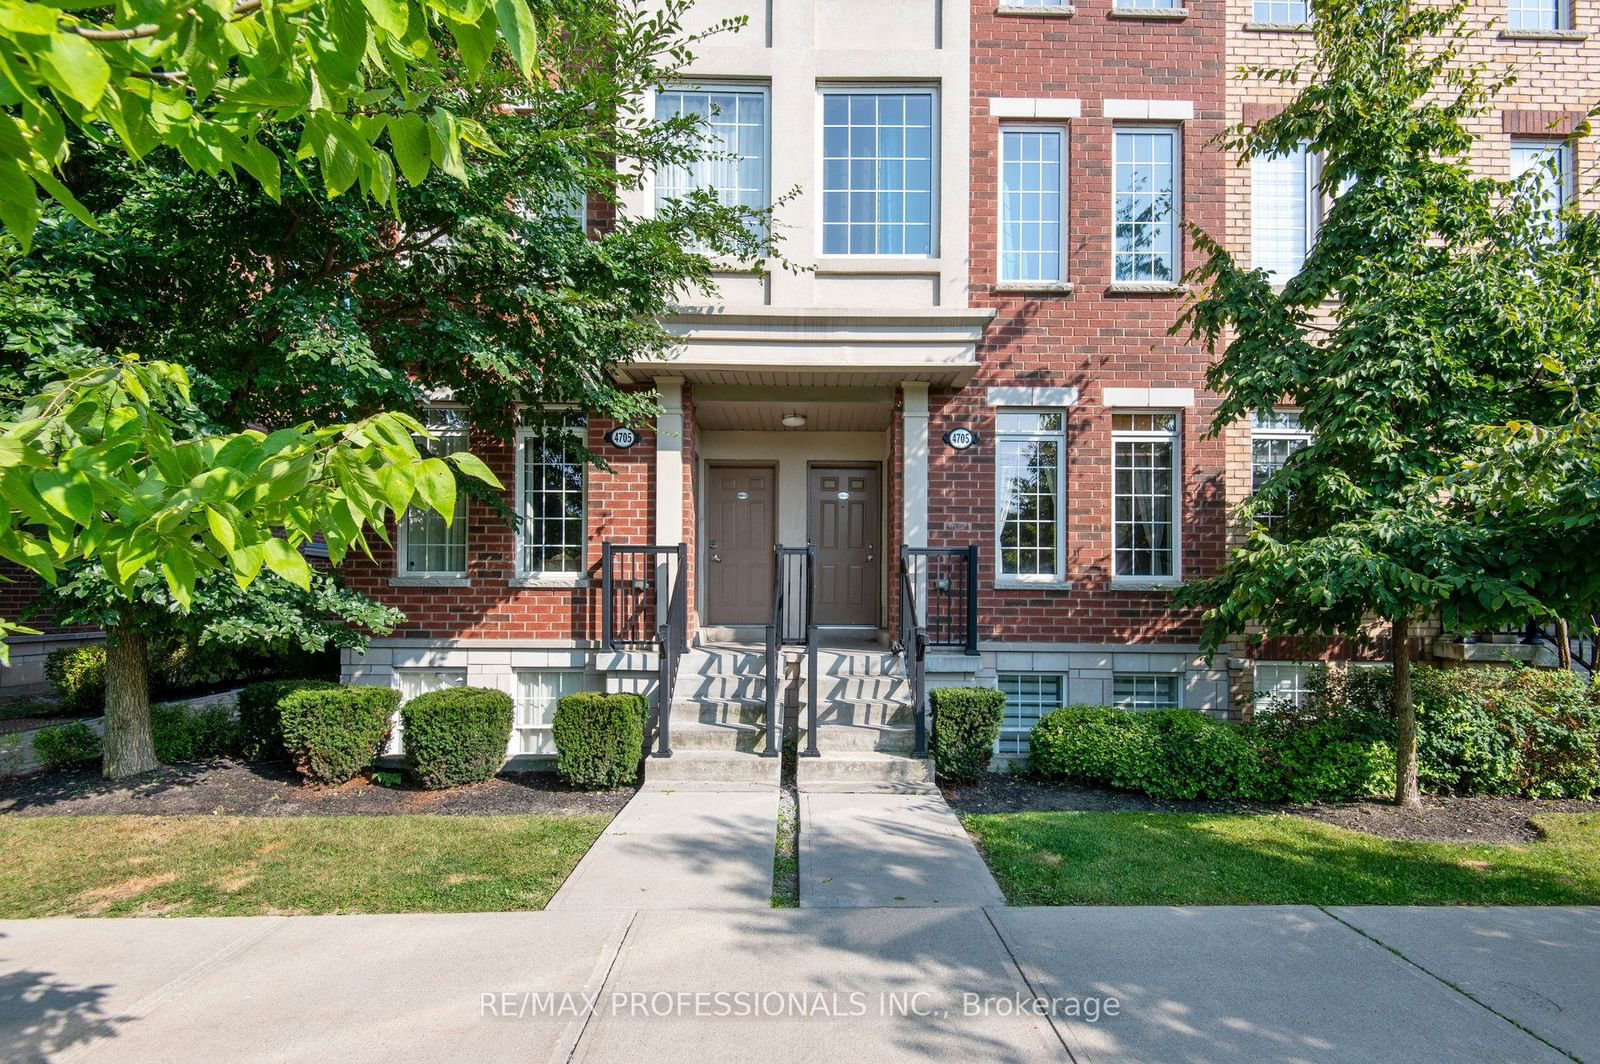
247	866
1195	859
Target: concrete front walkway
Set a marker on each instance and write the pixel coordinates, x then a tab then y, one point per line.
680	849
831	985
888	850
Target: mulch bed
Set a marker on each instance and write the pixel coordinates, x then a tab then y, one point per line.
1443	819
234	788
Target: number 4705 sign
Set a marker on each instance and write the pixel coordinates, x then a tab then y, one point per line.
959	439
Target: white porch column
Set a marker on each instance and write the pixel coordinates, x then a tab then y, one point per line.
914	467
669	462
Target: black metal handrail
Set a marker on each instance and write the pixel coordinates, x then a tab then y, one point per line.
632	578
790	582
948	580
913	644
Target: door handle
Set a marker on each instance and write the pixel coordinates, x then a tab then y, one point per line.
872	549
716	557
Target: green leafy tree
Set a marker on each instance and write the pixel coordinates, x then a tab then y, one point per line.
362	81
103	466
1435	304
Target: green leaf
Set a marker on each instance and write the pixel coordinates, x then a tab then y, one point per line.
67	493
521	33
286	562
392	16
79	68
261	164
436	486
222	528
471	465
444	142
19	202
409	137
179	573
29	18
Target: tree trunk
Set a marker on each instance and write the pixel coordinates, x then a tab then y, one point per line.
1405	712
129	747
1563	643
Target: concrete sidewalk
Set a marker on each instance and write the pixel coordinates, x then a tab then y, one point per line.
880	985
680	849
874	850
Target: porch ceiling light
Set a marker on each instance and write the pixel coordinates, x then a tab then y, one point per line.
795	420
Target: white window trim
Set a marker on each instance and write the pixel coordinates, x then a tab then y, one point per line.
522	576
1061	679
935	192
404	577
1317	206
1057	579
513	744
1563	21
1140	125
1561	147
1137	583
1305	667
1178	685
1063	280
712	85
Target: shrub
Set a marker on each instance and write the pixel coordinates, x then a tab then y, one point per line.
184	735
1082	744
1311	760
1186	754
966	725
456	735
78	675
260	726
599	738
333	733
66	745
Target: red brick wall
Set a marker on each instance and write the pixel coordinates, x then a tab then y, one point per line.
1088	339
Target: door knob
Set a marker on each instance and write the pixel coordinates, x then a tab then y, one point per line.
872	549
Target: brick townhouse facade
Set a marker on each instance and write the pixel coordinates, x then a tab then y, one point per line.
969	396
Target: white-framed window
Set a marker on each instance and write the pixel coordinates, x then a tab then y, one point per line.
1145	494
1282	12
414	682
1146	203
737	134
879	171
551	477
1153	4
1146	690
1536	14
428	546
538	691
1285	211
1274	436
1029	517
1551	161
1029	696
1033	203
1278	681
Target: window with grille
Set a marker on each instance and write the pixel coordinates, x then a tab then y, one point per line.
550	485
735	131
1551	162
414	682
1032	204
1144	485
1274	436
428	545
538	692
1142	690
1536	14
1029	696
878	172
1282	682
1151	4
1284	211
1028	493
1146	204
1282	12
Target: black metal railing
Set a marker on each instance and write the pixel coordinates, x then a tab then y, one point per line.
1583	653
794	582
644	602
913	644
945	580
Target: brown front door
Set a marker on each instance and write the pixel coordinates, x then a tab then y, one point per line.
845	523
741	530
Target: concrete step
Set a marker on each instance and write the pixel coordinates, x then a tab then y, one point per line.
865	771
718	711
860	688
875	713
841	738
722	686
701	766
727	737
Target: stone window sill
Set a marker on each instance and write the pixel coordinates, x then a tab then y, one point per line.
1044	11
1544	35
1145	288
1034	287
430	580
1159	14
1278	27
564	582
1004	584
1133	583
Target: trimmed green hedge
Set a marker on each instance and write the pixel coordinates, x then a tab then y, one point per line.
966	725
181	735
78	674
455	735
599	738
260	724
66	744
333	733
